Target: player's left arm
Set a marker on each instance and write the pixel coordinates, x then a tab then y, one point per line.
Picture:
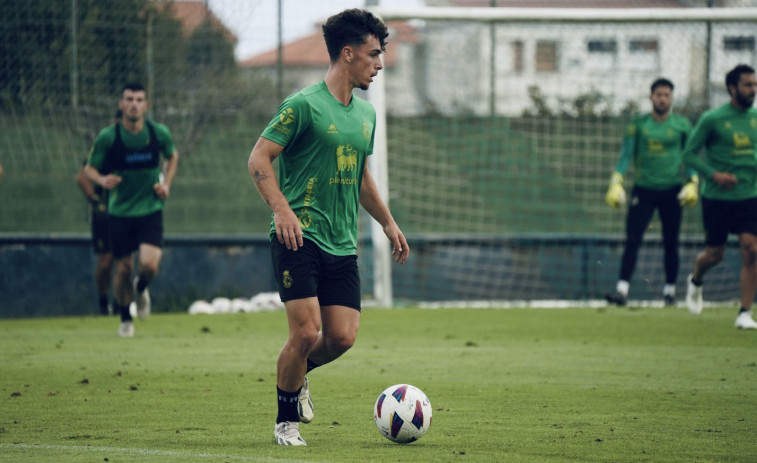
163	187
372	203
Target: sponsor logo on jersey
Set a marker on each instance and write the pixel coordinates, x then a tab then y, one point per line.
742	144
286	116
332	130
346	158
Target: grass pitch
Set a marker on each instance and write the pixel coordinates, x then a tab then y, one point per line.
521	385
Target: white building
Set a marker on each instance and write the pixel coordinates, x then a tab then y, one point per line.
465	67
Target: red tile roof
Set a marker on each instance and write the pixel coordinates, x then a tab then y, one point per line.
192	13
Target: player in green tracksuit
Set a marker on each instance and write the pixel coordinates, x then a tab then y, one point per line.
728	135
127	159
654	143
322	137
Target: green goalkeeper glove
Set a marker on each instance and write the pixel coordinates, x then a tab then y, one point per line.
689	194
616	195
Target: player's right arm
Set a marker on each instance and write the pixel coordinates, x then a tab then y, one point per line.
85	185
108	182
616	194
260	166
97	155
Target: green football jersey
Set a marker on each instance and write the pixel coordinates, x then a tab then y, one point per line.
729	137
656	149
136	159
326	145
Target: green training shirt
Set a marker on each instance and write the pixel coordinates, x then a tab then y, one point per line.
326	145
729	137
656	149
137	161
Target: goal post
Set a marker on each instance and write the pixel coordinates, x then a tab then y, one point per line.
503	126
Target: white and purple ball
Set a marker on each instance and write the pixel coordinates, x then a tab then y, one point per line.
402	413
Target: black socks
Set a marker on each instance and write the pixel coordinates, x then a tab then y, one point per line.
287	405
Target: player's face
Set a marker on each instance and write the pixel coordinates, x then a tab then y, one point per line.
661	98
133	104
365	62
746	90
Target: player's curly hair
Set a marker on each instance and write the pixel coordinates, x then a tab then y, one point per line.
734	75
351	27
661	82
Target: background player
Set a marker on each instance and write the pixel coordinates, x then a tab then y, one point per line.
654	142
126	159
728	135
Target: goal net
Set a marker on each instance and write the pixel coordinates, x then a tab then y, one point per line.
503	126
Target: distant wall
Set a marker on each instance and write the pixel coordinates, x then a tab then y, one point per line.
51	275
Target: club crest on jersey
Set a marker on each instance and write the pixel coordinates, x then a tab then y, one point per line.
332	130
286	279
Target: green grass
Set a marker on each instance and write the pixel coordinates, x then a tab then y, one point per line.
521	385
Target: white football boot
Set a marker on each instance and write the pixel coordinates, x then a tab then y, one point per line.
745	322
694	300
288	433
143	301
305	404
126	330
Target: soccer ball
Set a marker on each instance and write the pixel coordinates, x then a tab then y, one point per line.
402	413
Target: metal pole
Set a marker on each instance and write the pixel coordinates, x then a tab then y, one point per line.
74	58
149	57
379	165
707	60
492	67
280	59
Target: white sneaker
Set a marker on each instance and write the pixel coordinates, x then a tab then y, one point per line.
694	300
745	322
288	433
126	330
305	404
143	301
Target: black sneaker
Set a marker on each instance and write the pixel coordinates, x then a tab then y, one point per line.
616	298
669	300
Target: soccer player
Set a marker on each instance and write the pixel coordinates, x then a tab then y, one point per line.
322	136
126	160
654	142
98	201
728	135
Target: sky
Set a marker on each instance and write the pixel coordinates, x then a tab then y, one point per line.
255	22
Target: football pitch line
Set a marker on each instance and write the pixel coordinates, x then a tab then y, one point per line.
139	451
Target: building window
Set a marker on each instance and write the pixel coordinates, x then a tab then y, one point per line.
738	43
517	48
645	55
546	56
602	54
643	45
602	46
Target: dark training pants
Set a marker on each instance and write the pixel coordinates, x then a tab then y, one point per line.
643	203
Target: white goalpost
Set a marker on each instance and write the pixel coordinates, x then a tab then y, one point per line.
497	131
